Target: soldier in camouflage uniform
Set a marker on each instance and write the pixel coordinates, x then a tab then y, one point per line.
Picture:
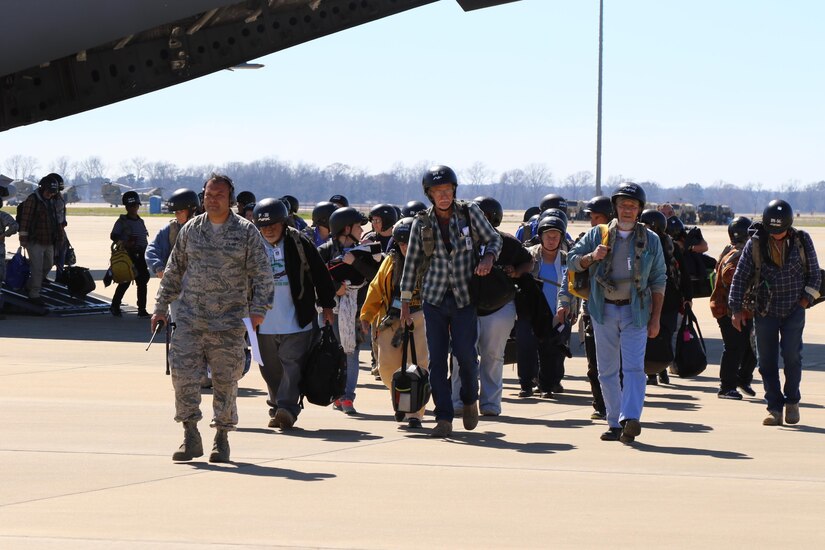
216	255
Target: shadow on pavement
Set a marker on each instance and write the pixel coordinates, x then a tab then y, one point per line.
248	469
682	427
688	451
340	436
494	440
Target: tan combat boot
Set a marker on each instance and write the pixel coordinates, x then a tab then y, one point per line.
192	445
220	450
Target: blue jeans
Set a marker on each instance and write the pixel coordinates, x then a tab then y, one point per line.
769	346
527	354
448	325
352	363
493	331
621	344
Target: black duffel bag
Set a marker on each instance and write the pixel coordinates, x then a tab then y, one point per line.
492	291
658	353
691	356
324	374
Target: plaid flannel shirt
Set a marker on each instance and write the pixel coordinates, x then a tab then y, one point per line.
453	270
781	287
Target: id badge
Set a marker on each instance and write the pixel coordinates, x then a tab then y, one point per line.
468	241
629	264
276	253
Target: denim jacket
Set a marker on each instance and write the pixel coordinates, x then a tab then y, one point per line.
650	276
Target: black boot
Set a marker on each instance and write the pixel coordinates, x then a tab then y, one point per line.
192	446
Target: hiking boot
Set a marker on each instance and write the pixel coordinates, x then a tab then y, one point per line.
348	407
792	413
612	434
285	419
488	412
597	415
443	428
525	393
773	419
274	423
632	428
729	394
220	449
470	416
192	446
747	390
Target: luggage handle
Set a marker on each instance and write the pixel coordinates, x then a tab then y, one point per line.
408	339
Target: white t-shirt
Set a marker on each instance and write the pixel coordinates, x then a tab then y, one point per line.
282	318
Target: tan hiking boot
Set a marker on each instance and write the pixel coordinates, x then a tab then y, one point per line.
792	413
285	419
220	449
192	446
773	419
470	416
443	428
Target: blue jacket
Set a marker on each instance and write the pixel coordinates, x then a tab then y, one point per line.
652	272
158	251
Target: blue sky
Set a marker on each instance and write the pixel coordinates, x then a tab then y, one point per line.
696	91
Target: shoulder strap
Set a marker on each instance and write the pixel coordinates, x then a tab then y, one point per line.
296	238
174	229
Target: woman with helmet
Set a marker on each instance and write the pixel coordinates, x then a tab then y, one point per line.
319	232
495	326
383	218
549	270
779	266
350	271
627	286
183	203
738	358
130	231
382	309
286	334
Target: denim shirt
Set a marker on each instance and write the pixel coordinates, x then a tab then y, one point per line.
652	278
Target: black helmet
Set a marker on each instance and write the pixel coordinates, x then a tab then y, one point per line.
344	217
245	197
401	230
438	175
491	208
292	203
412	208
554	213
387	214
182	199
49	183
548	223
600	205
130	197
738	229
777	216
397	209
59	179
321	213
339	199
675	228
631	191
654	220
269	212
553	201
530	212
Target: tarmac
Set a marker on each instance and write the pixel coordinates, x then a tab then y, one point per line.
88	435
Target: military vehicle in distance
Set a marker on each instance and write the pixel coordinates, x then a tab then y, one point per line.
720	214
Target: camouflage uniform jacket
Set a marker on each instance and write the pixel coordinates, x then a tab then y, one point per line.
210	272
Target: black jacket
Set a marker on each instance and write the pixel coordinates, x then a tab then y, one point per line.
316	283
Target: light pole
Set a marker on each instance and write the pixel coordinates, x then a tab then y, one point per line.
599	107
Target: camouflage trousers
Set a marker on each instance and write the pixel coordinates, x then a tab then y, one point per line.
189	352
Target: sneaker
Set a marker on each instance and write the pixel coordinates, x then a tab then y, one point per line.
470	416
374	371
612	434
792	413
652	380
488	412
598	415
747	390
547	395
729	394
336	405
348	407
414	424
285	419
443	428
664	378
525	393
773	419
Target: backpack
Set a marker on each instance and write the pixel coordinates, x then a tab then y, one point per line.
756	251
324	374
578	283
295	235
121	266
719	296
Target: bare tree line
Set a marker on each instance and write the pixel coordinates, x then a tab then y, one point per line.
517	188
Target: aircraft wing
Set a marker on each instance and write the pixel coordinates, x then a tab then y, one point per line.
61	58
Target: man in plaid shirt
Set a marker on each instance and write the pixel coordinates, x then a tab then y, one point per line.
448	230
786	286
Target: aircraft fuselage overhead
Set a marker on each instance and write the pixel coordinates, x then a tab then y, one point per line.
61	58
